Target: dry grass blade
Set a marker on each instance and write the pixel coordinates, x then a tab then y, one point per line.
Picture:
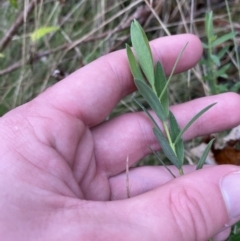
16	25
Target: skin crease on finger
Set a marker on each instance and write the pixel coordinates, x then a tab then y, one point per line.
197	210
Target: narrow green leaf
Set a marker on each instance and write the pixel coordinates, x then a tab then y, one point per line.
206	24
236	87
193	120
209	24
160	78
164	145
223	39
224	76
148	114
215	60
14	3
160	82
166	148
41	32
151	98
173	70
204	155
212	39
158	157
222	52
205	46
174	132
134	66
143	52
223	88
223	70
174	127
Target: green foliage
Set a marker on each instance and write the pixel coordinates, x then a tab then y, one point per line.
14	3
156	95
213	60
143	51
42	32
160	81
175	132
234	41
151	98
158	157
235	234
193	120
167	149
134	66
204	155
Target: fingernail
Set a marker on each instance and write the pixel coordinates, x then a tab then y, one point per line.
230	187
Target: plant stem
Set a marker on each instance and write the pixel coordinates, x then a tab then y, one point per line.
168	136
173	70
212	79
181	172
234	39
172	145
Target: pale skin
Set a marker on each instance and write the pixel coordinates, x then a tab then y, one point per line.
62	167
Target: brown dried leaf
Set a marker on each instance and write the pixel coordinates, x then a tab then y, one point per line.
228	155
224	153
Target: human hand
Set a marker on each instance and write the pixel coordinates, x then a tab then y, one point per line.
62	167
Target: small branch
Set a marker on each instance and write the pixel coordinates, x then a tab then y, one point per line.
63	47
141	13
19	21
11	68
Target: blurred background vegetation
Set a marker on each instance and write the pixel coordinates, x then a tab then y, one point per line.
43	41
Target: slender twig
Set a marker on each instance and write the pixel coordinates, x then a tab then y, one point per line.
79	41
158	157
158	19
182	16
41	54
19	82
19	21
67	46
11	68
173	70
127	178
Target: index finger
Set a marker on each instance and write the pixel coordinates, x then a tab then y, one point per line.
93	91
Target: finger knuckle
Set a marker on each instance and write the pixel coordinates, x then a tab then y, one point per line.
188	209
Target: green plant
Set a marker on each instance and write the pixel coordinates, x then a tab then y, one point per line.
213	60
41	32
234	38
152	84
235	234
14	3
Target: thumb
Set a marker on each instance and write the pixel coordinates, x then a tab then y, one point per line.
196	206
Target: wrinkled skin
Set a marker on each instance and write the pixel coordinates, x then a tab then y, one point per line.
62	167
